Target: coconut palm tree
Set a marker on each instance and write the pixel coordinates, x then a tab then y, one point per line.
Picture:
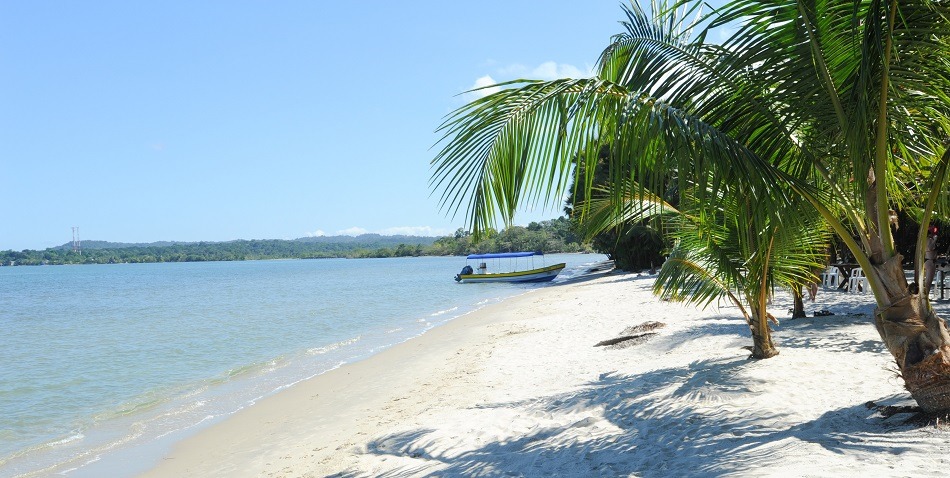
725	249
843	103
862	88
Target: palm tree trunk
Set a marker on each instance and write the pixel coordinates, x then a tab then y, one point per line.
762	345
798	307
916	337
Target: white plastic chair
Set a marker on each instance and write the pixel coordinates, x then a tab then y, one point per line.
858	282
830	277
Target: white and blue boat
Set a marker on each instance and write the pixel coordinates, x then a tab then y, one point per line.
507	267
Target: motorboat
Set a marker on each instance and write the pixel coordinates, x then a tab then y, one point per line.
507	267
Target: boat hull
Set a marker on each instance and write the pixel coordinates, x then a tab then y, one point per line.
543	274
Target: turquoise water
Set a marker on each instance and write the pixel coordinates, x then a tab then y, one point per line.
104	360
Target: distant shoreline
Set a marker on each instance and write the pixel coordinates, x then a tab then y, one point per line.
549	237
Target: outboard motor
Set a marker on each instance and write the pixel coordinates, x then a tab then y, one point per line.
465	271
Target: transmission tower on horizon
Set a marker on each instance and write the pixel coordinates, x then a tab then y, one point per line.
77	245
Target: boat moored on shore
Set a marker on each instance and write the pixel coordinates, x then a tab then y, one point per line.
516	273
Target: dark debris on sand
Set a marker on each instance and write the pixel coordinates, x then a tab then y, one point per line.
917	417
631	336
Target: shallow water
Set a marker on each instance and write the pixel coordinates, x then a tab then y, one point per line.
103	360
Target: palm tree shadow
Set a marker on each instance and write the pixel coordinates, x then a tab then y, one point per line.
835	332
683	420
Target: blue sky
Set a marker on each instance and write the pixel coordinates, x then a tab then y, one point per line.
221	120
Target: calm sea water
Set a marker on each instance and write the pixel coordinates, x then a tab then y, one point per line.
107	365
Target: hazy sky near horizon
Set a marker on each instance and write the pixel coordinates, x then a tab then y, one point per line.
221	120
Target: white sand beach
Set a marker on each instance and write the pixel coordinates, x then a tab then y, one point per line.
518	389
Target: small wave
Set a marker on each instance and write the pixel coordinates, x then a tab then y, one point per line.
275	365
195	392
179	429
442	312
76	435
393	331
257	367
333	346
183	409
291	384
86	456
146	401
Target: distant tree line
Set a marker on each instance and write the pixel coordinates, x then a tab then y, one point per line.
556	235
546	236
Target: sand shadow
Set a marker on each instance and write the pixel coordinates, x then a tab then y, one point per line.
714	326
835	332
655	424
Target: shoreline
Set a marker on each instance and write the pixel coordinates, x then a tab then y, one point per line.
518	386
142	429
328	399
207	452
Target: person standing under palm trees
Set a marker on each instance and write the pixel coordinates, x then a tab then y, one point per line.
930	258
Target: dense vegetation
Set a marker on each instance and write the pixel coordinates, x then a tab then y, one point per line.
633	245
546	236
556	235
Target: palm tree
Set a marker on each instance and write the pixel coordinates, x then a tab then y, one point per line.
843	103
862	88
724	250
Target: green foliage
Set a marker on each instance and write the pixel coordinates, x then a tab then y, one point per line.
635	244
555	235
547	236
724	249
